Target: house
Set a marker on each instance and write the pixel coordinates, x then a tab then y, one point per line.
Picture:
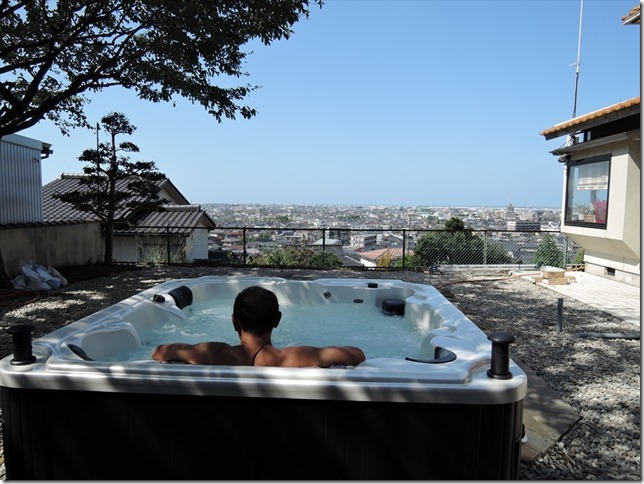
380	257
601	192
21	179
24	234
179	233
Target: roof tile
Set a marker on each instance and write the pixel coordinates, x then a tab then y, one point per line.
175	215
591	116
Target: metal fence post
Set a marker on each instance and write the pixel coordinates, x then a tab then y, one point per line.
565	252
485	247
244	246
323	248
167	244
404	251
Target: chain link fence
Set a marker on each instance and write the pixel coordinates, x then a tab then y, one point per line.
334	248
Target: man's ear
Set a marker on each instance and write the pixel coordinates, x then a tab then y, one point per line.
236	324
278	318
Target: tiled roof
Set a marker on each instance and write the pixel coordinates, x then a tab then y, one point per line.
180	216
180	219
375	255
56	210
633	16
619	110
21	225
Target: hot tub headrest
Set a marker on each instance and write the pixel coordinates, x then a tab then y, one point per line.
182	296
393	306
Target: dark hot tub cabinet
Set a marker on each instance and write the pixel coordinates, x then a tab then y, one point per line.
452	410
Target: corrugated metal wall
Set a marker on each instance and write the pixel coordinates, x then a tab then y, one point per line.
20	180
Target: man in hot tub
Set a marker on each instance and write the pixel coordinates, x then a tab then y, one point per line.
255	314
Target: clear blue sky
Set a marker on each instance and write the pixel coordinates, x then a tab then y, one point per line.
391	102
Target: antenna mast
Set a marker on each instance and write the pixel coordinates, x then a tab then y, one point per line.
574	108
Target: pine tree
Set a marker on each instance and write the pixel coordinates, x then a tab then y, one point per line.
112	183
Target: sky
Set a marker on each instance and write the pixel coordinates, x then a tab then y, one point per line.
390	102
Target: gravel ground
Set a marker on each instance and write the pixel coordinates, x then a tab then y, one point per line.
600	378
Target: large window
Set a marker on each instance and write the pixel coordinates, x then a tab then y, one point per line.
587	191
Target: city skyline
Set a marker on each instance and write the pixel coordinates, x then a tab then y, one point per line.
390	103
378	216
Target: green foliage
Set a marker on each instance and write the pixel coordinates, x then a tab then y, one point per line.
548	253
579	257
112	183
263	236
298	257
454	224
410	261
457	245
52	52
327	260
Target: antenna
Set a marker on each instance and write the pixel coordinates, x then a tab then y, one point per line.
574	108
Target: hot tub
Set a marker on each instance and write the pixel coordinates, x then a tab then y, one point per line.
450	410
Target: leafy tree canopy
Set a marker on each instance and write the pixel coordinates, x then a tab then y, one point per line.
454	224
52	52
457	244
299	257
548	253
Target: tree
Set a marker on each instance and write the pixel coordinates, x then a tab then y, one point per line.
112	183
455	224
457	244
299	257
52	52
548	253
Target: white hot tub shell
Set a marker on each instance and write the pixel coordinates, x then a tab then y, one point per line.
447	414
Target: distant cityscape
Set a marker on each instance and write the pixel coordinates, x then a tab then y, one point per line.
372	235
381	217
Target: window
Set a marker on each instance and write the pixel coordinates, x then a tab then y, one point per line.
587	192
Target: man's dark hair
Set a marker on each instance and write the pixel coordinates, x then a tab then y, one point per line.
256	309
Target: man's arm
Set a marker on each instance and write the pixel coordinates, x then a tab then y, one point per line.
211	353
330	355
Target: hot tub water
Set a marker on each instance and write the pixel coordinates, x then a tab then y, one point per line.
379	335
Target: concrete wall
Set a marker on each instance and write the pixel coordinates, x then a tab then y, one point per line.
56	245
198	245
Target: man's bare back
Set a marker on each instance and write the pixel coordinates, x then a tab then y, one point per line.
255	315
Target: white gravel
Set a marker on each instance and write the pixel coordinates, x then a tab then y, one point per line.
600	378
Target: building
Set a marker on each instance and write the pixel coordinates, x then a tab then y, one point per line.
601	193
21	179
25	236
510	214
380	257
526	225
178	234
362	239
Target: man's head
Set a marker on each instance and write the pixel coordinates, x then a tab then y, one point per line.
256	311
